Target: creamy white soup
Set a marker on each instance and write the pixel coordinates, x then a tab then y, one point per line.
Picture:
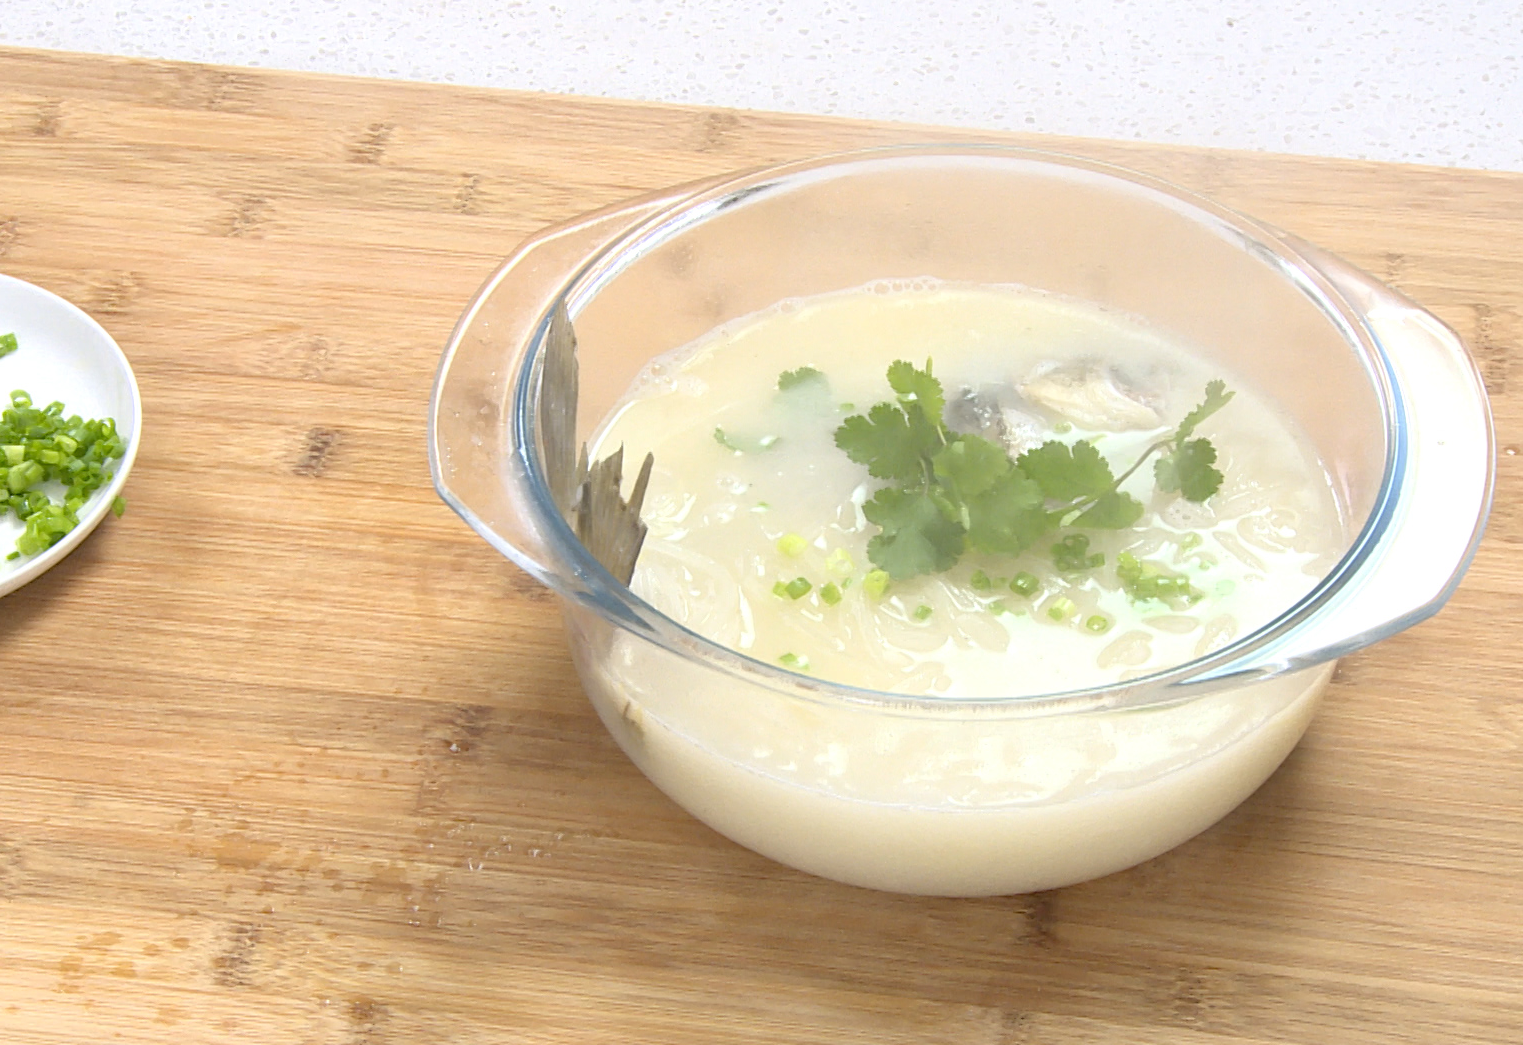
760	541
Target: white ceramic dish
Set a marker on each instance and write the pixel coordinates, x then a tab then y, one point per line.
65	355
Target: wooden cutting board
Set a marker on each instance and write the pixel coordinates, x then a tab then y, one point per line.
289	755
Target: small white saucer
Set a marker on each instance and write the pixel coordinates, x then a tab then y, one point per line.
65	355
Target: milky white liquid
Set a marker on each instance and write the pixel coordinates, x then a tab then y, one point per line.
943	800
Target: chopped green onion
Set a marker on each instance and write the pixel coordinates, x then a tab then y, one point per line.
23	476
839	562
795	589
830	594
793	660
1061	608
1025	584
42	445
1098	624
980	581
922	612
7	344
1142	579
876	583
1072	554
792	545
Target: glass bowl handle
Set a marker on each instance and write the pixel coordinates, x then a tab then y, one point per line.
1444	496
477	465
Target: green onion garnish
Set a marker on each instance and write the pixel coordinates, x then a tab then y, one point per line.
792	545
1061	608
1025	584
795	589
41	445
839	562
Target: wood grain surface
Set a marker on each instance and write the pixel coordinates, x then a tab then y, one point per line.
289	756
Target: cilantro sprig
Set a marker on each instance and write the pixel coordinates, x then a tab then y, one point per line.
804	376
949	492
1188	466
738	444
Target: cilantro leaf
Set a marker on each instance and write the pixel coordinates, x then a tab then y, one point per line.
950	491
918	388
887	443
1217	397
741	444
1009	517
1112	510
917	538
804	375
971	464
1188	469
1067	473
804	391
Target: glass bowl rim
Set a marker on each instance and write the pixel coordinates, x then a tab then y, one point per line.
600	591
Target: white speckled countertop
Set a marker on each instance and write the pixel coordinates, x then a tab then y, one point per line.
1423	82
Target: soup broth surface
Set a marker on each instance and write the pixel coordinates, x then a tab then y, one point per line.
751	494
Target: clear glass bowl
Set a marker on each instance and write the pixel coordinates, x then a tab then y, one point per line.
1012	793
